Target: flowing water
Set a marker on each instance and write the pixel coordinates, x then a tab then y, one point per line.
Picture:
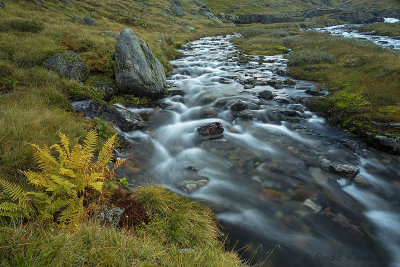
280	178
351	31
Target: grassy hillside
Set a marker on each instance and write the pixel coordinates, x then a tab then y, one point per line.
285	6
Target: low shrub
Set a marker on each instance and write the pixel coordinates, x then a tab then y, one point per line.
309	56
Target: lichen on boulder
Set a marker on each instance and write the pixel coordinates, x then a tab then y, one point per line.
137	71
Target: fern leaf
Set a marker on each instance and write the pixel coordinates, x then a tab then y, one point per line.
119	163
73	212
97	186
62	156
106	152
90	143
47	163
37	179
65	144
13	191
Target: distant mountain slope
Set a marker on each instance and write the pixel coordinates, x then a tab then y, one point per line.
279	6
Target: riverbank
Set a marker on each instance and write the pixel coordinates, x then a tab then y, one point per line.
36	106
362	78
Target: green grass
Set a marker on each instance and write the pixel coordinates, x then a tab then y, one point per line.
181	233
286	6
363	78
386	29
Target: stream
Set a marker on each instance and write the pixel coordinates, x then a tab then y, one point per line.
351	31
288	188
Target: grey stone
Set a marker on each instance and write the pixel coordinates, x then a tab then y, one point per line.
178	2
265	95
238	106
111	215
85	20
199	3
177	11
190	186
70	65
122	118
312	205
290	82
213	130
137	71
348	171
2	5
390	143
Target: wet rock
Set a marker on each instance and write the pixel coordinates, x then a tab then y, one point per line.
282	99
289	113
247	80
290	82
207	112
137	71
325	163
390	143
124	119
174	92
303	193
278	85
344	222
312	205
265	95
238	106
246	115
213	130
348	171
271	194
318	176
282	72
352	145
248	86
178	98
225	81
190	186
69	65
110	215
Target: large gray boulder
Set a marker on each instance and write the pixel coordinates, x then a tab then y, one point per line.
70	65
137	71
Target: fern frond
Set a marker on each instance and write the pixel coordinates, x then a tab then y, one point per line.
37	179
90	142
47	163
119	163
65	144
106	152
62	156
73	212
13	191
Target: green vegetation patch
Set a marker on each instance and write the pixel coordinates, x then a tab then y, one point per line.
363	78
